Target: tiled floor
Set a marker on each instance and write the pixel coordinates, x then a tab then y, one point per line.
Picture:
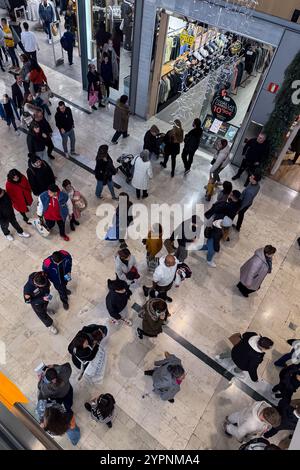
206	309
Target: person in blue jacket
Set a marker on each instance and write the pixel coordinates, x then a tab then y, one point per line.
58	268
9	112
47	17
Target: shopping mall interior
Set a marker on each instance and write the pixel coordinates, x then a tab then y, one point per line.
193	59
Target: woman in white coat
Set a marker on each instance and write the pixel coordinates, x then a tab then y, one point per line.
221	159
142	173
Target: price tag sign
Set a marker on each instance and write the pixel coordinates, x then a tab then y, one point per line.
223	108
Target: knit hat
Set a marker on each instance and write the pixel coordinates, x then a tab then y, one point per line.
226	222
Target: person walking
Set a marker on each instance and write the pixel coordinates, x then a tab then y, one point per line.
172	140
67	41
9	112
85	345
289	382
191	143
46	14
17	93
78	201
142	172
289	413
104	172
154	314
58	268
293	355
151	142
254	271
125	266
55	206
153	244
247	198
7	216
9	43
121	119
214	236
116	301
19	191
37	294
167	377
36	76
39	174
163	278
106	73
36	140
221	159
54	384
255	152
94	87
65	124
255	420
46	130
29	42
102	409
229	208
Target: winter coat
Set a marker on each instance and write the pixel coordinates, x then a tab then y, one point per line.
6	208
9	110
288	382
121	117
248	195
255	152
164	275
20	194
67	40
151	143
254	271
192	140
289	420
36	293
46	13
82	356
105	170
248	422
113	60
64	120
222	209
141	174
17	95
154	244
37	77
164	384
122	269
222	159
172	147
152	323
53	270
216	233
35	142
247	355
40	178
65	204
59	389
93	82
116	302
106	72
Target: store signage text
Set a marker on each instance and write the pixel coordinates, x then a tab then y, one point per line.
223	108
186	39
273	87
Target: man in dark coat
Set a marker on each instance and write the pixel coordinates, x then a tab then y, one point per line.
65	123
250	352
67	42
7	216
39	174
289	382
54	384
227	208
46	130
255	152
117	299
290	415
191	144
58	268
17	90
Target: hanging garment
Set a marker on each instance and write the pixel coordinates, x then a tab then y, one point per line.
168	50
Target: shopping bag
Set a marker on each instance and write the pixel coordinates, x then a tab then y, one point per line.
94	373
54	30
93	97
111	234
41	228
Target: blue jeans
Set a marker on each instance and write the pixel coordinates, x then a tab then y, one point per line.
100	185
209	247
283	359
74	435
70	134
47	29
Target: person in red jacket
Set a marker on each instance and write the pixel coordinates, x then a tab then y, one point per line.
19	191
37	76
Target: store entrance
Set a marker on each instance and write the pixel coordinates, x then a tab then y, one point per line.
199	63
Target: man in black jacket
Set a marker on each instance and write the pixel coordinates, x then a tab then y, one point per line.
54	383
116	300
290	415
37	294
65	124
255	152
191	144
250	352
39	174
289	382
185	233
46	129
227	208
17	90
7	216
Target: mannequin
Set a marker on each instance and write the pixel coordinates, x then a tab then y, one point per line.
127	16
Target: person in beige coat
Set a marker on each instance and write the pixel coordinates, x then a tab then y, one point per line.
121	118
142	173
253	421
254	271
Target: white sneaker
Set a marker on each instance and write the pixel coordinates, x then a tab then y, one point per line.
53	330
211	264
24	235
50	41
9	237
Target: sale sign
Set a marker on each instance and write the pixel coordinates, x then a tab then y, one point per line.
223	108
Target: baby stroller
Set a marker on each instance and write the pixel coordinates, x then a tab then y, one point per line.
126	168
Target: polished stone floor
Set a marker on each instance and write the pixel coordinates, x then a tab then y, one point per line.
206	309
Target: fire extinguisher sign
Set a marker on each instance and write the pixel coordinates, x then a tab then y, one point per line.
273	87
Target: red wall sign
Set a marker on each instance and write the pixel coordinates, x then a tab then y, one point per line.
273	88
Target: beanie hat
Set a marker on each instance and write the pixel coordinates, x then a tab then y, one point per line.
226	222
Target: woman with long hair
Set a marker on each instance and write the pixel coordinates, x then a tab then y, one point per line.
104	172
19	191
94	87
173	139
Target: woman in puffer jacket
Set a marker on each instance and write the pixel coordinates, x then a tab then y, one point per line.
154	314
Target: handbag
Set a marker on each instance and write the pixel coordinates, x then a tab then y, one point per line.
235	338
133	274
93	97
54	30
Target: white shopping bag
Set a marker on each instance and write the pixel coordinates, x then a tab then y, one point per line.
94	373
40	227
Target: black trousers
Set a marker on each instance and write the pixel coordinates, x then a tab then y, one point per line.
187	158
62	290
31	55
173	159
281	389
118	134
67	400
41	312
70	56
61	225
5	224
138	193
49	145
241	215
